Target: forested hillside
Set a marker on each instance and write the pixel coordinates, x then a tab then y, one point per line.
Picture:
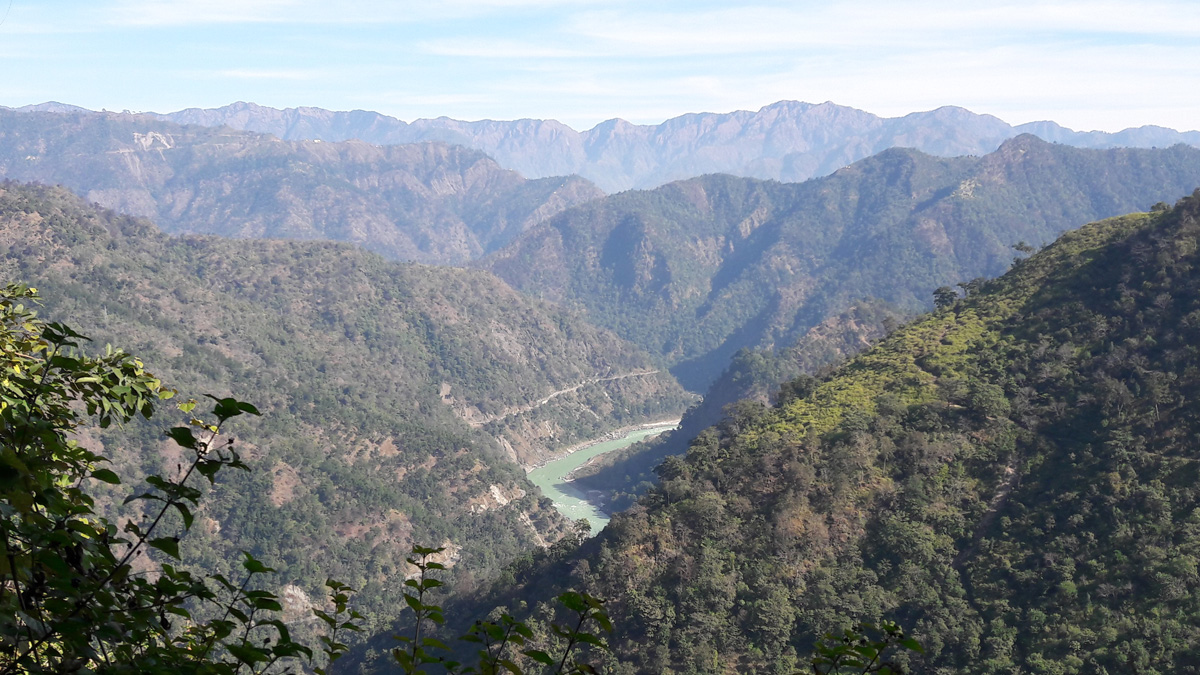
697	270
1013	477
754	378
397	398
427	202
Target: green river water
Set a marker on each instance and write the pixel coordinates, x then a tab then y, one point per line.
571	501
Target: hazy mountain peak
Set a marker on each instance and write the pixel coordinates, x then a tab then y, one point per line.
52	107
696	270
1026	140
429	201
786	140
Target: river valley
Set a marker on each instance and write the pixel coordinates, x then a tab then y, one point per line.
572	502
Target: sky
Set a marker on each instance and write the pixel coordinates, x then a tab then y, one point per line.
1084	64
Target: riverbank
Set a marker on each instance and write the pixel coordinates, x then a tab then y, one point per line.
667	425
552	477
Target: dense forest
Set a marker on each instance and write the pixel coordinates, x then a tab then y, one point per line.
389	391
699	269
754	377
1012	476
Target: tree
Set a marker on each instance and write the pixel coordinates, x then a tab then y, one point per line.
944	296
70	598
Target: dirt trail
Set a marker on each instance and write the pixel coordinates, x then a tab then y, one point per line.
482	420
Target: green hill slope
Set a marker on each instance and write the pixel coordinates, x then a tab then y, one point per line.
697	270
397	398
427	202
1013	477
753	378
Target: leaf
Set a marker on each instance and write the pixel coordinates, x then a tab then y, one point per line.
604	622
573	601
253	566
588	638
107	476
434	642
209	468
183	437
329	620
186	514
268	604
285	635
909	643
247	654
231	407
168	545
145	495
539	656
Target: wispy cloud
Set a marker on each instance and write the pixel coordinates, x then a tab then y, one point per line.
1085	63
319	12
874	25
296	74
499	49
191	12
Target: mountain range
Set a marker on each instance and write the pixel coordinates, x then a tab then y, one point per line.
398	400
1013	478
787	141
427	202
698	269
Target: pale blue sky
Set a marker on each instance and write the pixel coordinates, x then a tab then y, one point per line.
1087	65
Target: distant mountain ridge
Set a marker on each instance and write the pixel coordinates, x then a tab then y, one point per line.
788	141
426	202
698	269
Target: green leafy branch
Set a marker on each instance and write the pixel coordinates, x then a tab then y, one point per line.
856	651
501	643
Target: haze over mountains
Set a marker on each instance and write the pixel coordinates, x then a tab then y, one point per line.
787	141
401	398
428	202
698	269
691	272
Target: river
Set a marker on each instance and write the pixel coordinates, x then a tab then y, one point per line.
571	501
